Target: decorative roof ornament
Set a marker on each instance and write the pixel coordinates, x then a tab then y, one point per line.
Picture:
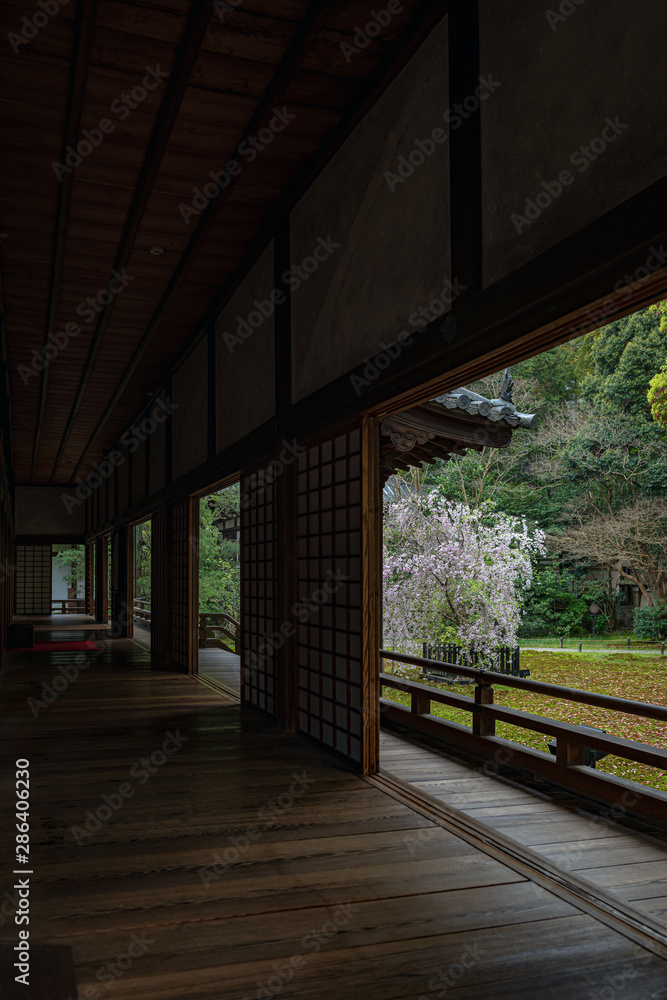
492	409
506	386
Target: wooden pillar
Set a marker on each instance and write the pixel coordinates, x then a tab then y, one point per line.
183	586
90	580
121	582
371	591
101	598
160	579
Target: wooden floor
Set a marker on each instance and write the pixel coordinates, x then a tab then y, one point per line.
250	864
627	859
221	667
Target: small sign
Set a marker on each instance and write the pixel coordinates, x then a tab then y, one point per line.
595	609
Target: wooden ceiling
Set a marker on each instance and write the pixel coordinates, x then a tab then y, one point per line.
219	70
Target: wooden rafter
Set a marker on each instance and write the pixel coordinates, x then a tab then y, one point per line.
186	56
295	52
84	24
427	15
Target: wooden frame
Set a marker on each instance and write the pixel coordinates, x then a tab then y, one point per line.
371	592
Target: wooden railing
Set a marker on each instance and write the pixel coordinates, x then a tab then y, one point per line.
141	609
572	742
69	606
212	626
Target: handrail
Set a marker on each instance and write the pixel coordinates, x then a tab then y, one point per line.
481	675
575	746
139	609
211	622
60	603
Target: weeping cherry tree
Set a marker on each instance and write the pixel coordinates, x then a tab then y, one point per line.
452	570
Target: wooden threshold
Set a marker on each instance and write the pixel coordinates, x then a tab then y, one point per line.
613	912
217	686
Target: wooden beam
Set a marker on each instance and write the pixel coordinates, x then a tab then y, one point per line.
295	52
84	23
465	148
211	401
283	319
184	62
427	15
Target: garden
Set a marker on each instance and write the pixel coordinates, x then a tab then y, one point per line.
555	544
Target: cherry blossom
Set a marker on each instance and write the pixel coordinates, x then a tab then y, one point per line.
450	568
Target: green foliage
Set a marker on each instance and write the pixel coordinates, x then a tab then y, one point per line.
219	566
625	355
657	393
651	623
557	603
74	562
142	556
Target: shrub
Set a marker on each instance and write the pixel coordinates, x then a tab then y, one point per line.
651	623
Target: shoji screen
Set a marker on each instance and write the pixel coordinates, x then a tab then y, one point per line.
33	580
258	591
336	646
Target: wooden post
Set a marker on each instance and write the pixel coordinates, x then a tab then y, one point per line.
121	574
100	579
420	703
482	723
568	753
371	591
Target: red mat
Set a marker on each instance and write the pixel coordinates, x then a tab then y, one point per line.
58	647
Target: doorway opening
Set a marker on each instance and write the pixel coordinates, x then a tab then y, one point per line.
141	582
68	580
219	624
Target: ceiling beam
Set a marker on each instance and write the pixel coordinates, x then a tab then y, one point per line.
184	63
427	15
84	23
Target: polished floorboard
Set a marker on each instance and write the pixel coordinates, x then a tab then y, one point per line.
222	667
248	863
626	858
